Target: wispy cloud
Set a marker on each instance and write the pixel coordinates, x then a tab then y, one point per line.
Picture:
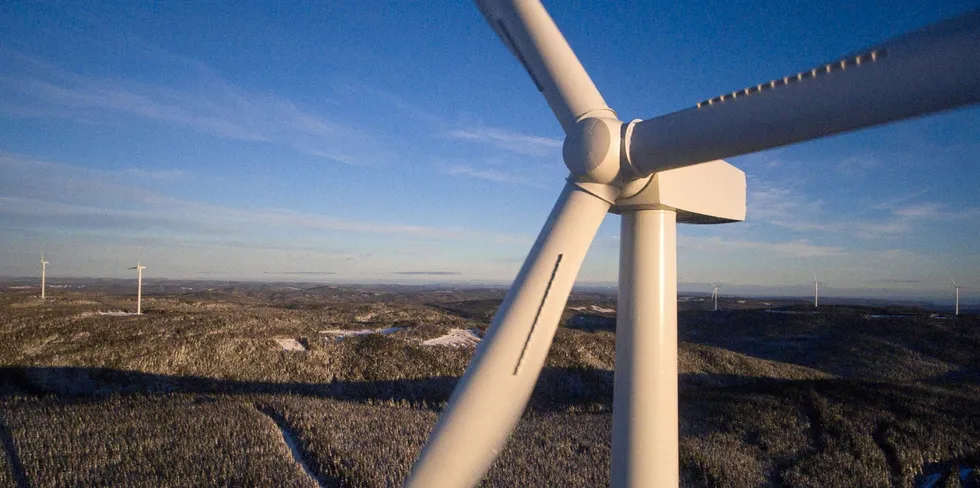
205	103
509	140
787	206
493	175
798	248
906	217
934	211
299	273
100	200
774	203
161	175
869	229
858	166
427	273
894	281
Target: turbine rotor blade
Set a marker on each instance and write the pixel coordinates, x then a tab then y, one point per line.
490	397
533	38
932	69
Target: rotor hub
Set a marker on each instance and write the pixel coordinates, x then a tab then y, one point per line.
593	149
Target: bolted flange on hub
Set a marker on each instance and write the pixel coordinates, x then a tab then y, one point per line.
592	150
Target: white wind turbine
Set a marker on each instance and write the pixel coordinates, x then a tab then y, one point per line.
714	295
139	286
656	173
816	290
44	267
957	288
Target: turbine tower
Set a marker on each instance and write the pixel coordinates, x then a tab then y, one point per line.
714	295
816	290
139	286
657	173
44	267
955	287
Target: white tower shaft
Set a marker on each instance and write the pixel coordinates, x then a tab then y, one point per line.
957	300
139	290
44	266
816	293
645	411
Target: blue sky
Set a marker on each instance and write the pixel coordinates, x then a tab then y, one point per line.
400	142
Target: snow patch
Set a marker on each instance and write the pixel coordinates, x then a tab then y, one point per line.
290	345
364	317
340	334
577	309
456	338
117	314
602	309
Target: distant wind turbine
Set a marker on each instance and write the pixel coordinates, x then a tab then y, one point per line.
44	266
816	290
139	286
714	295
957	288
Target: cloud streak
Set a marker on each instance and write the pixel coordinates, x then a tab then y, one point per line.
427	273
798	248
299	273
97	200
509	140
206	104
787	207
493	175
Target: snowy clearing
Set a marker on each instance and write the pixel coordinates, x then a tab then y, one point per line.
117	314
365	317
290	345
602	309
340	334
456	338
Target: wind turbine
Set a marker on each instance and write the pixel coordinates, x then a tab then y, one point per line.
657	173
955	287
139	286
816	290
44	267
714	295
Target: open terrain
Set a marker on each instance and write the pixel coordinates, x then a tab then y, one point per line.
314	385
